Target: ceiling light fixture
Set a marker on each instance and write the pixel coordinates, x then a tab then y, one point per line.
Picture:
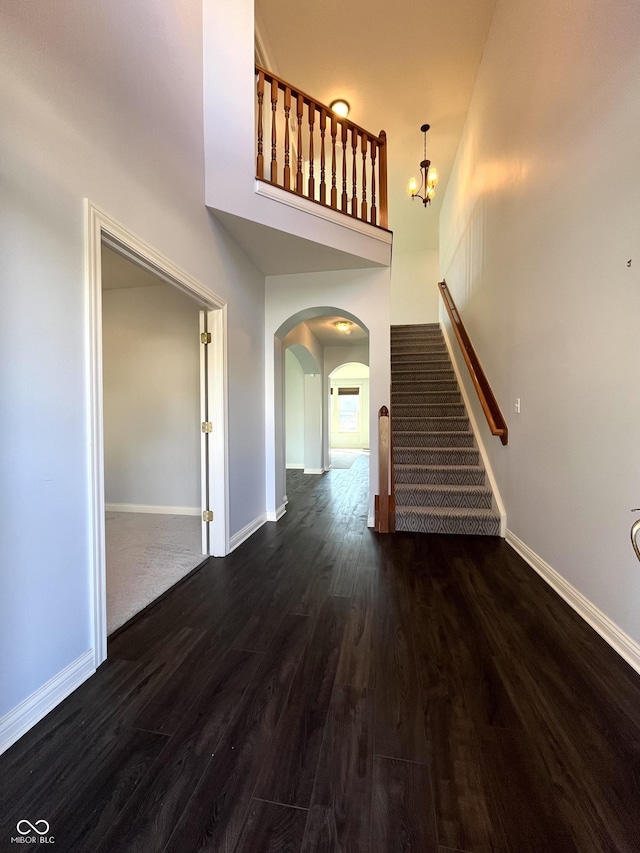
428	176
340	107
343	326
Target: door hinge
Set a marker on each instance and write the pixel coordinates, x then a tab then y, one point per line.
207	426
207	515
205	338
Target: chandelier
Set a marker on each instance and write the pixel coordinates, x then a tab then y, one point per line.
428	176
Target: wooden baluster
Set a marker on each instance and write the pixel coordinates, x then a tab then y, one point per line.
374	212
345	198
323	130
354	172
274	141
299	113
382	167
312	180
334	188
260	161
287	142
364	149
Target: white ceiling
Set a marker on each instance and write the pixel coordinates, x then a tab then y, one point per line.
399	65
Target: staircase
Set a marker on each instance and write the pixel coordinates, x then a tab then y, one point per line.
440	482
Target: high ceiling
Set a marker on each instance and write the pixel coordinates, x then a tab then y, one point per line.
399	66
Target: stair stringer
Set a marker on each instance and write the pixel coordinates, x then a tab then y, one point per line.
499	503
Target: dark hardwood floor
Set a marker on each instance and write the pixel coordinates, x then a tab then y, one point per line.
324	688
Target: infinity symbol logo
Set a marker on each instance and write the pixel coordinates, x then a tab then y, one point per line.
33	828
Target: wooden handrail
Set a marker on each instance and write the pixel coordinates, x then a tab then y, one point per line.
384	501
356	158
490	407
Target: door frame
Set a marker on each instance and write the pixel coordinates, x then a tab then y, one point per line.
101	228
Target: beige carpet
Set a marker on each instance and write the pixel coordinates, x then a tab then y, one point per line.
344	458
146	554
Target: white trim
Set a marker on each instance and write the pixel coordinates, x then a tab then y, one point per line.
153	509
277	515
621	642
101	228
247	531
474	426
314	471
371	521
295	467
322	212
29	712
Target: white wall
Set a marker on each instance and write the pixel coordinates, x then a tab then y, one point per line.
151	373
414	284
540	218
98	100
294	397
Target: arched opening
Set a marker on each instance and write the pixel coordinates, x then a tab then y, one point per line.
308	347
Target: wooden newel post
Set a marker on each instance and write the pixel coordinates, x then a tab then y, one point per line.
382	514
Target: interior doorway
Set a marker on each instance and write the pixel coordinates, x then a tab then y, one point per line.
154	532
135	433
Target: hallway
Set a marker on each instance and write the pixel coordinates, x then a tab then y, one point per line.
324	688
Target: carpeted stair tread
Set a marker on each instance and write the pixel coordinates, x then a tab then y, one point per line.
455	475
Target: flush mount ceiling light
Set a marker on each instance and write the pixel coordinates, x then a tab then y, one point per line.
428	176
340	107
343	326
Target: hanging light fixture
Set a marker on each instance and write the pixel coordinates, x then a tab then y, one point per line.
340	107
428	176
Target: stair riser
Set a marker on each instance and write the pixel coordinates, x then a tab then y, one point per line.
435	456
426	398
409	522
430	424
434	410
415	496
433	439
426	387
439	476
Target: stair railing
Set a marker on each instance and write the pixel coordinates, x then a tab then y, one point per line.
343	167
490	407
384	521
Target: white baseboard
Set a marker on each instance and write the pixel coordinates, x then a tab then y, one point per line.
153	509
371	521
295	467
314	470
277	515
625	645
247	531
29	712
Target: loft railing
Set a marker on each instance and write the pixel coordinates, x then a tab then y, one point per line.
490	407
385	515
318	155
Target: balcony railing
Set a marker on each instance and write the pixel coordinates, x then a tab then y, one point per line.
318	155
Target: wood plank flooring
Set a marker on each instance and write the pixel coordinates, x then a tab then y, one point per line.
324	688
